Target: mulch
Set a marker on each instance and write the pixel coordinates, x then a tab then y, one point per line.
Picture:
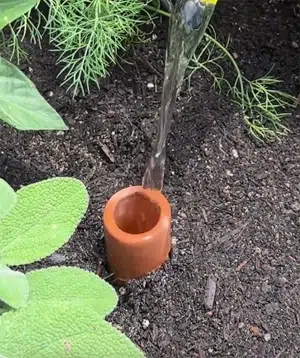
235	203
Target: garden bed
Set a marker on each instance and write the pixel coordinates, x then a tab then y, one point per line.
236	204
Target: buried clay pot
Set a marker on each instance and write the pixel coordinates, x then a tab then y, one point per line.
137	225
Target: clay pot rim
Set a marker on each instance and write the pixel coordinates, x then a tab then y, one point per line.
154	195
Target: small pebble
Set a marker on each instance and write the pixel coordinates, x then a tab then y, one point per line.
110	113
206	151
255	331
229	173
241	325
282	280
295	206
271	308
265	287
257	250
235	153
150	85
183	215
57	258
122	291
210	292
267	337
145	323
295	44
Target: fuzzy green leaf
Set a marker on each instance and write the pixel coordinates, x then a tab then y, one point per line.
8	198
61	331
10	10
44	218
56	285
21	105
57	323
14	288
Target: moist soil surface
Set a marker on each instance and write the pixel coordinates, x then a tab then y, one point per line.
236	203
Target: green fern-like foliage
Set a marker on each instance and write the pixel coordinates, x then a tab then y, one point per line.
44	217
264	108
64	317
88	34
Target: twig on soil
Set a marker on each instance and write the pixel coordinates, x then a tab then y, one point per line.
241	265
107	152
210	292
99	268
235	234
204	214
278	355
147	64
297	101
90	175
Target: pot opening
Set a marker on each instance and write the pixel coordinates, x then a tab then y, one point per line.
136	214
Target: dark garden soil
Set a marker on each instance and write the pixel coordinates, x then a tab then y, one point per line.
236	204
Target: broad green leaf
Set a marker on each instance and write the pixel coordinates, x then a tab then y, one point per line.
64	317
61	331
56	285
8	198
10	10
44	218
14	288
21	105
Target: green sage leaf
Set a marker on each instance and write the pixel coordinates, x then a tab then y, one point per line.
44	218
14	288
8	198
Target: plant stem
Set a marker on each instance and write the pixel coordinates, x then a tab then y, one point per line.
224	49
159	11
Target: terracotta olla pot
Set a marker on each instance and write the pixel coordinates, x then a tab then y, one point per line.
137	225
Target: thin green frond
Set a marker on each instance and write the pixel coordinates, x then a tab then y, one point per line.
262	105
88	36
21	28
